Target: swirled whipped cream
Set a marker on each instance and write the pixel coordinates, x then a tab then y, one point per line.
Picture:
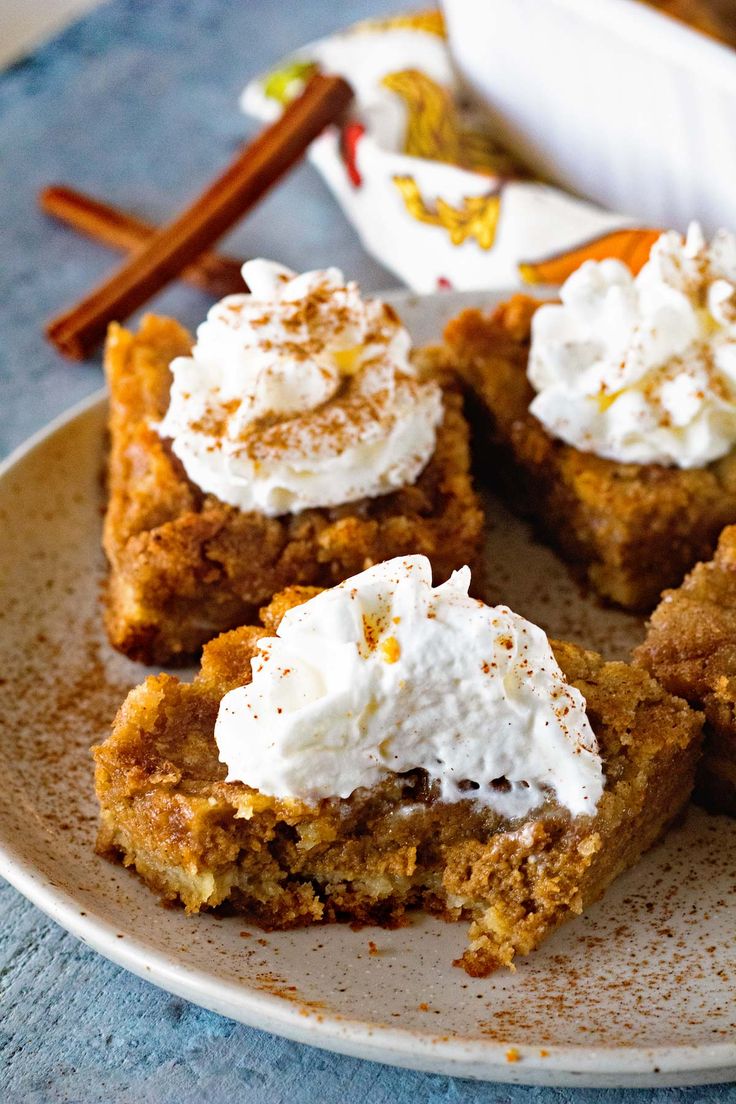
643	370
300	394
387	673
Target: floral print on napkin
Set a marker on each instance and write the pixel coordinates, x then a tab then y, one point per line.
418	172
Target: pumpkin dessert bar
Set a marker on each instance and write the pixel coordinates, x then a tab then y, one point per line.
197	839
691	648
185	565
629	529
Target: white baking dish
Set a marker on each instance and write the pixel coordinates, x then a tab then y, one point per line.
609	98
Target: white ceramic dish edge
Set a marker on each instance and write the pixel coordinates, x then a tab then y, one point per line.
568	1065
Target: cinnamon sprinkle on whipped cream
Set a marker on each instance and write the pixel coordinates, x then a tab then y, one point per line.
386	673
300	394
643	369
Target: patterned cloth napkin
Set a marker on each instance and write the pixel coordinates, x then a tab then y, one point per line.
417	171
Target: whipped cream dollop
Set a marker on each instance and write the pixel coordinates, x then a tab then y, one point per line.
300	394
643	369
386	673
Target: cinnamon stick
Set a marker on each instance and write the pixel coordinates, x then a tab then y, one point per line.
79	330
215	273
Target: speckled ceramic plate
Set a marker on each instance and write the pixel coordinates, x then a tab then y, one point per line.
639	991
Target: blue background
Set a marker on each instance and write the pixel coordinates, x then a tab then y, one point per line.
137	103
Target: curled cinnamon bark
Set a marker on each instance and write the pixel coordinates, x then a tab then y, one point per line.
79	330
215	273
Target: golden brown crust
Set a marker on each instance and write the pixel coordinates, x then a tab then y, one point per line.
633	528
184	565
166	811
691	648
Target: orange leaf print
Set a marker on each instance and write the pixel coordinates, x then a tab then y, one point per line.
632	246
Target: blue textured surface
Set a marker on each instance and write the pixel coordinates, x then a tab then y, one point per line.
138	103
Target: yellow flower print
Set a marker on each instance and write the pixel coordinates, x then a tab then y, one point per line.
476	219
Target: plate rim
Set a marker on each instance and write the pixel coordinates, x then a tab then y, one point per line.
563	1064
